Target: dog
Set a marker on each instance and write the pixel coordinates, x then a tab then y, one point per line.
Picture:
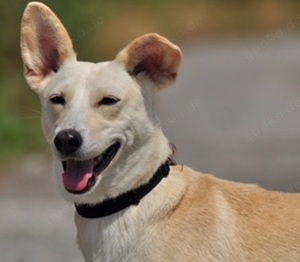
112	160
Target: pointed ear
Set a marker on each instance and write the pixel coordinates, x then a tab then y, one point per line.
45	45
153	55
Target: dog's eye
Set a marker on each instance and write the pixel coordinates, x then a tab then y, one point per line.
108	101
59	100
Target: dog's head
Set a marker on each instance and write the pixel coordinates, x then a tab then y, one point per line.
97	117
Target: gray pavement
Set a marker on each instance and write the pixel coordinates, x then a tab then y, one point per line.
234	112
36	224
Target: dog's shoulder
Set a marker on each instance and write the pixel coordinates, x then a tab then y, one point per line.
209	198
208	190
204	182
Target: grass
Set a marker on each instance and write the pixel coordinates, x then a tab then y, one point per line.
20	130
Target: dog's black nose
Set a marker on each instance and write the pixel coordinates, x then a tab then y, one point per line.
68	141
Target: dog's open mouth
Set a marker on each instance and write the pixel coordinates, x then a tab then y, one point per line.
80	175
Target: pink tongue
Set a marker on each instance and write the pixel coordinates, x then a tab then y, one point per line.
77	174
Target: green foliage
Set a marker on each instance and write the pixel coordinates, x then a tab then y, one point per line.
20	130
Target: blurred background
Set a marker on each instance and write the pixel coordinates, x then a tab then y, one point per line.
234	110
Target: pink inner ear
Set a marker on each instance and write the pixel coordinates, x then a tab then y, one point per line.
152	62
48	48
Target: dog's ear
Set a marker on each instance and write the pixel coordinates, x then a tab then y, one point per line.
45	45
154	56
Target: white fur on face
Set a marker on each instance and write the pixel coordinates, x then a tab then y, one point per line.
130	121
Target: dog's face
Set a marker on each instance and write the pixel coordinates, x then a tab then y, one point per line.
94	115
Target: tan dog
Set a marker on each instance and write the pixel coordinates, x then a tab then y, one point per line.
99	121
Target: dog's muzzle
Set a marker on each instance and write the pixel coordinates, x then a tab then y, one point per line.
80	175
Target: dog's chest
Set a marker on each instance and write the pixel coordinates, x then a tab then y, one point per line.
113	238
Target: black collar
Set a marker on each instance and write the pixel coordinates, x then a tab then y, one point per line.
133	197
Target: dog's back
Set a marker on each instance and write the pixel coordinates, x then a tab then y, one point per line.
230	221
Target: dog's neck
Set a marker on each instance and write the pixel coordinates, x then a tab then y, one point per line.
141	162
95	235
